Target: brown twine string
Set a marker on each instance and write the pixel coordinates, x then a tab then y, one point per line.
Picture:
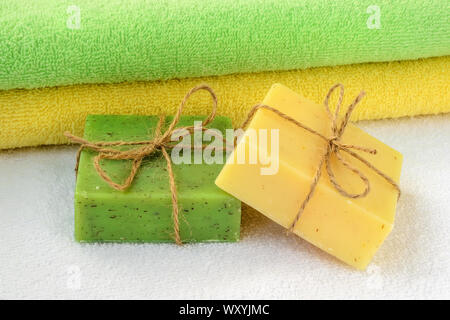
334	146
160	141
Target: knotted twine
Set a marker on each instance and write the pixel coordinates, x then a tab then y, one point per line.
333	147
161	142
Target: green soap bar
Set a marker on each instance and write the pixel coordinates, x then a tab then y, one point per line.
143	212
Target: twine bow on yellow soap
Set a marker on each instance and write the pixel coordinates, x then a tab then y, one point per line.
333	146
162	142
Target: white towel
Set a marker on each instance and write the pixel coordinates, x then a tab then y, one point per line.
40	259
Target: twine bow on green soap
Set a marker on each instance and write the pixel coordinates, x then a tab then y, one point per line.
160	142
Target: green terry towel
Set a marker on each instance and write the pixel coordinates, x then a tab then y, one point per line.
49	42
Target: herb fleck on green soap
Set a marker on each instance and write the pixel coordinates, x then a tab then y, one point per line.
143	212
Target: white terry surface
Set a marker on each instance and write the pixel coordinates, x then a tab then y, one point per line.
40	259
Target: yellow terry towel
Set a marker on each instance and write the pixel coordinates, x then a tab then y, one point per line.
394	89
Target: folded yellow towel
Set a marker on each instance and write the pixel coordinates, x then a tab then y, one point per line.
394	89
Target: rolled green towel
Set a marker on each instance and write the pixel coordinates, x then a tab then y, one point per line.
48	42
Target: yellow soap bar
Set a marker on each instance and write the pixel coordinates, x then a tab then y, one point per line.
350	229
